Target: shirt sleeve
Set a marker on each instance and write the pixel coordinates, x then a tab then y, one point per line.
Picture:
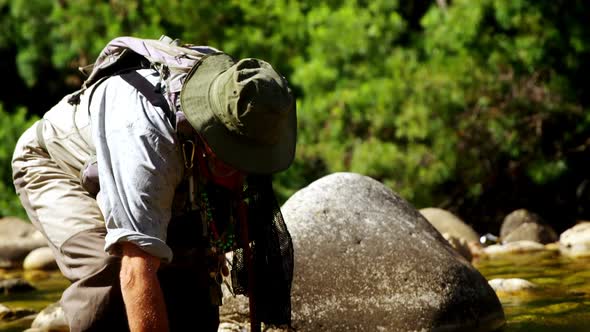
139	166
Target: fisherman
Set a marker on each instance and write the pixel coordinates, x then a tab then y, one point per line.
179	179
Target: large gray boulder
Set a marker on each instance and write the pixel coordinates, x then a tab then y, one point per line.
366	260
17	239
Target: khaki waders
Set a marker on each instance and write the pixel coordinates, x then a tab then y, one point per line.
46	166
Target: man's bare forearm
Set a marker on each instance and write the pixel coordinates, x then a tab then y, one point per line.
144	301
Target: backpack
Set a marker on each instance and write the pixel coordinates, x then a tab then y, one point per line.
122	56
166	55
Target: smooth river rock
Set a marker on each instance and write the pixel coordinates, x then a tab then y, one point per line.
523	225
511	285
4	311
366	260
50	319
17	239
575	242
446	222
40	259
7	314
512	248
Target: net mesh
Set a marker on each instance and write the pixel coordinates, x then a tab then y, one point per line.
273	255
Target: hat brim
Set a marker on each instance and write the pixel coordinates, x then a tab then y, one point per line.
237	151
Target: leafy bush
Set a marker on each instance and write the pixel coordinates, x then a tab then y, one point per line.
477	106
13	125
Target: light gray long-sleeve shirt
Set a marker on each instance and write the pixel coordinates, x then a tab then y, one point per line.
139	162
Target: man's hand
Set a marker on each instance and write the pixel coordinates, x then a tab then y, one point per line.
144	302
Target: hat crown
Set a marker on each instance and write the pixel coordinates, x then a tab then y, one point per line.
252	101
245	111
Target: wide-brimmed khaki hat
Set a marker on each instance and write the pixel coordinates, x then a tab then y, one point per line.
245	111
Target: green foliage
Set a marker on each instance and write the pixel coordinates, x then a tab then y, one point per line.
13	125
441	103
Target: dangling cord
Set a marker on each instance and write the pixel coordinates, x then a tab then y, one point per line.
242	216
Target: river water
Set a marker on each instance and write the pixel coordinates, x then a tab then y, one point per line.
561	303
49	286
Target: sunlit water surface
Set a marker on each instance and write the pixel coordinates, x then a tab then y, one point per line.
560	304
49	288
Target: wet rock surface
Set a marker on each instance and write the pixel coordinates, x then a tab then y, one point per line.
4	310
575	242
15	286
511	248
7	314
366	260
50	319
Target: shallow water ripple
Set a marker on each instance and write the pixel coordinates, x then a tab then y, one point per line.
560	303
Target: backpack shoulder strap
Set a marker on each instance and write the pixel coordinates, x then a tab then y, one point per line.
152	93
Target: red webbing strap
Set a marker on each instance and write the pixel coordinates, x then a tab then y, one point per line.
243	212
